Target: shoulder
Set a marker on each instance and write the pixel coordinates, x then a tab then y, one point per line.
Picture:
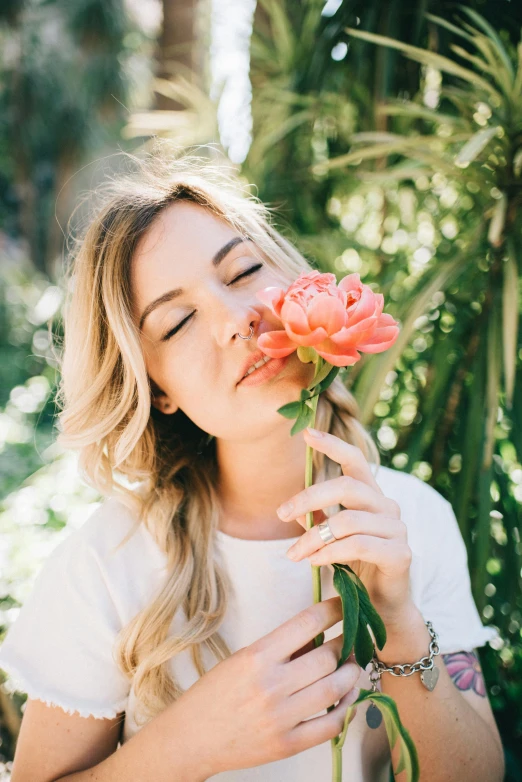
407	489
428	516
112	549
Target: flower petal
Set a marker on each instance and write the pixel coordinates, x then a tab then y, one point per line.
353	336
293	315
339	357
309	340
273	298
363	309
276	344
352	282
326	311
385	334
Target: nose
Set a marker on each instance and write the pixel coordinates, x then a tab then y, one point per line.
235	320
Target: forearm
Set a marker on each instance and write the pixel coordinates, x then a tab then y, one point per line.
163	750
453	742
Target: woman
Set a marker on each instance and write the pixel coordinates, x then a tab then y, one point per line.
172	627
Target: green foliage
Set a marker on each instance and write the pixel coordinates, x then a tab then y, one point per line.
62	87
395	730
422	198
304	411
358	614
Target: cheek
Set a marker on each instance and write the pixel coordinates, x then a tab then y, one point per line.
192	377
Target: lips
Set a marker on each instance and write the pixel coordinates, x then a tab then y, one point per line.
249	362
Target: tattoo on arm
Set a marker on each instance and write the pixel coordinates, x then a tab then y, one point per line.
465	671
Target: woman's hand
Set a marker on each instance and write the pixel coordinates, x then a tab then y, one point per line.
265	702
372	538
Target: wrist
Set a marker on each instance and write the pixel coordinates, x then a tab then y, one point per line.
407	638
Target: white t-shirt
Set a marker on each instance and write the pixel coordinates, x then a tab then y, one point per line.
59	648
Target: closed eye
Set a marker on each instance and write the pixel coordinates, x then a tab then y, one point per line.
246	273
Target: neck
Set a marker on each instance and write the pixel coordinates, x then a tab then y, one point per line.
255	477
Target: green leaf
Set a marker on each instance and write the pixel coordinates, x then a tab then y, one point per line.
290	410
474	146
363	643
426	57
494	351
304	419
510	316
411	109
395	731
328	380
493	36
451	27
306	394
498	221
370	615
321	374
307	355
350	602
437	279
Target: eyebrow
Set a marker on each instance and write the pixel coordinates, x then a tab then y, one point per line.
175	292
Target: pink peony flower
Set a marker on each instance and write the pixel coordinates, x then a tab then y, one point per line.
336	320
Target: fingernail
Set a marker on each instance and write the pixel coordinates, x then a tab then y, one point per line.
314	432
285	510
291	553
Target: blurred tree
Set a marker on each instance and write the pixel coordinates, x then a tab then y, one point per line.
183	46
61	92
423	197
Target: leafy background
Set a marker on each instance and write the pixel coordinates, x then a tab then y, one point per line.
388	137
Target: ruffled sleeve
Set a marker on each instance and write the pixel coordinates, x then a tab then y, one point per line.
60	647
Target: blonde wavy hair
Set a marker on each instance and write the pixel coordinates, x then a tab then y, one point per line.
106	414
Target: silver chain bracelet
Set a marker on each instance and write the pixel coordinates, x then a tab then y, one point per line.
429	672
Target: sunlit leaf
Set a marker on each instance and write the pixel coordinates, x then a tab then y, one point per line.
510	318
375	372
437	61
395	730
498	221
474	146
494	351
484	25
449	26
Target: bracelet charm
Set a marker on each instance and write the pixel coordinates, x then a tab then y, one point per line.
425	665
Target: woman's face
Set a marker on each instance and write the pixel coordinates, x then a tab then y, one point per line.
190	341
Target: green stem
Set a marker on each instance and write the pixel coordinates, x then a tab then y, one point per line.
316	569
337	758
337	762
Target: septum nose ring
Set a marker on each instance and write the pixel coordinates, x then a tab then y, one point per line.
249	336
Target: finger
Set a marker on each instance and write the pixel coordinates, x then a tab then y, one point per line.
390	556
352	460
317	730
316	663
344	490
344	524
286	639
323	693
